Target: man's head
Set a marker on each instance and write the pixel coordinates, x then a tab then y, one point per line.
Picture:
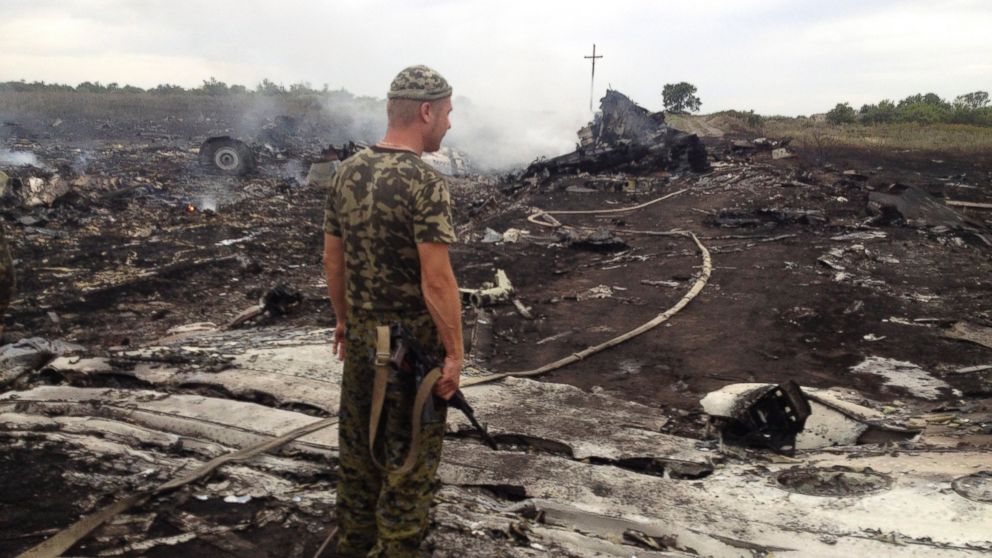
419	104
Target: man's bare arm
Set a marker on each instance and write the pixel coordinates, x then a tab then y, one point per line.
334	269
445	306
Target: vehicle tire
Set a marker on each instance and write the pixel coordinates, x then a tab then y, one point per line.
227	156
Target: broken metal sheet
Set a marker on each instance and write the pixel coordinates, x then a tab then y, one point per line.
739	509
129	435
566	420
469	522
906	375
231	423
289	386
832	421
917	208
28	355
971	332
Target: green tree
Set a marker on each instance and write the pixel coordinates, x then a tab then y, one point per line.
167	89
931	99
91	87
924	113
884	111
973	101
213	87
268	87
843	113
680	97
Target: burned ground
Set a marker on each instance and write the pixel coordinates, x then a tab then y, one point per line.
809	282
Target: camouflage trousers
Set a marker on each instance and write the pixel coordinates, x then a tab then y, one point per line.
380	514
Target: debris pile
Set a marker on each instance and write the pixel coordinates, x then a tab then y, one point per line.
834	355
626	137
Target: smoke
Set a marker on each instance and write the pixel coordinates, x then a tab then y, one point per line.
207	202
20	159
293	171
501	140
492	140
351	118
81	163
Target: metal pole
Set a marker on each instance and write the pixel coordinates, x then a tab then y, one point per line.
592	82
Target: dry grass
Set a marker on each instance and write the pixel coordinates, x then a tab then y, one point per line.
951	138
123	107
820	136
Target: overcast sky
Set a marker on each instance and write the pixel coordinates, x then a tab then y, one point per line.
773	56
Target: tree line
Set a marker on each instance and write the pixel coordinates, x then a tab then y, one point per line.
210	86
970	108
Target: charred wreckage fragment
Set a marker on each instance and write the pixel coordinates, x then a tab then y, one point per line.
627	137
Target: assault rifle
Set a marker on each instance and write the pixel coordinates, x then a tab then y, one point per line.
408	355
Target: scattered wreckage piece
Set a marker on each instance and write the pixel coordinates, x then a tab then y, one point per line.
223	421
917	208
276	301
585	426
302	376
28	355
767	513
626	137
227	155
766	218
906	375
490	294
967	204
470	522
603	481
971	332
787	418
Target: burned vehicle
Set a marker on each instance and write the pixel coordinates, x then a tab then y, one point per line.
627	137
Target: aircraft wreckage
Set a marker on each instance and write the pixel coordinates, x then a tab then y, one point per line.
627	137
577	473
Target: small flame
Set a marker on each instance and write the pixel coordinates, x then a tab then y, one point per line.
190	208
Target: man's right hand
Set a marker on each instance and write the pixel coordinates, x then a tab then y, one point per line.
451	373
338	348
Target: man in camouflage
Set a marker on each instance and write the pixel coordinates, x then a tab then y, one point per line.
387	227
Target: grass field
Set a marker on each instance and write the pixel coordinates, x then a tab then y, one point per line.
951	138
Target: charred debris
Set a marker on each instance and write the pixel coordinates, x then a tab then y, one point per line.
628	138
834	371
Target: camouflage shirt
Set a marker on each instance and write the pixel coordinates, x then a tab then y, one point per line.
383	202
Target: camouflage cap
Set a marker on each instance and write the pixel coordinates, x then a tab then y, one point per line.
419	83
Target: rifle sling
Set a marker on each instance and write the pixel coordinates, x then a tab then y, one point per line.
424	391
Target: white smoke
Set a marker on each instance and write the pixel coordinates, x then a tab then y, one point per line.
500	140
492	140
20	159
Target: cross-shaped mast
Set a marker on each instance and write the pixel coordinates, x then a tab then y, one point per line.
592	84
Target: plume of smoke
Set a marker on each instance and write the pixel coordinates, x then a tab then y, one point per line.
20	159
293	171
498	140
81	163
493	140
207	202
350	118
258	112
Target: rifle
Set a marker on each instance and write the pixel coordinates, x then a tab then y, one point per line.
408	355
